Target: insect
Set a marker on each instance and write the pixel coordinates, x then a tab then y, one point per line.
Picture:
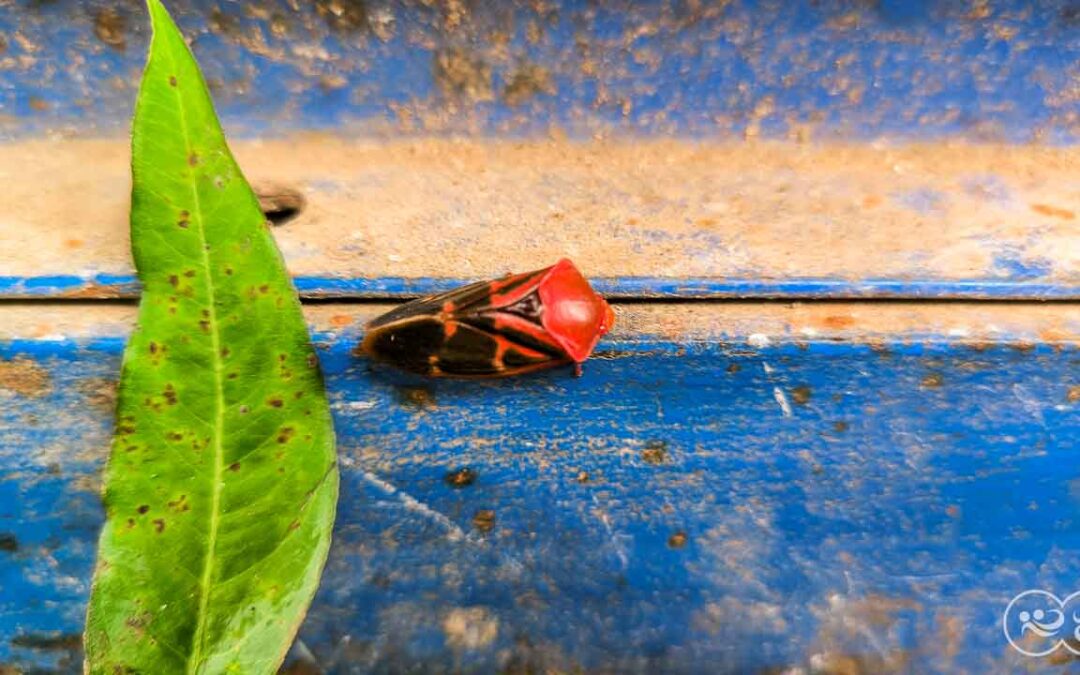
513	325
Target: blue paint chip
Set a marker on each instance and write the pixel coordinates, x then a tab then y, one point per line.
1014	265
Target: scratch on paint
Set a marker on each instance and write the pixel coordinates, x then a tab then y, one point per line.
778	393
1030	404
453	532
781	398
354	405
618	539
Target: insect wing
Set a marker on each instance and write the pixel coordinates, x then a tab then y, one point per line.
486	329
433	305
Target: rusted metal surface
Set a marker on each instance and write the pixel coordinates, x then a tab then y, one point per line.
647	218
1004	70
726	485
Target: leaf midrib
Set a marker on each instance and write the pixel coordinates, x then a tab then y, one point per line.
199	636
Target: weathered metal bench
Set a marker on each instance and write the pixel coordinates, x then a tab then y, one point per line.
836	429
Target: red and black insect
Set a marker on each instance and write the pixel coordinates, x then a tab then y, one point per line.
517	324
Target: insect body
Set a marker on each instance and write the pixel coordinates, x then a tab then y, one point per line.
517	324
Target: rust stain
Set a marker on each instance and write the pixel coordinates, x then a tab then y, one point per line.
99	393
340	320
463	75
655	453
110	27
932	381
1055	211
24	377
91	291
484	520
838	321
1073	395
801	395
528	81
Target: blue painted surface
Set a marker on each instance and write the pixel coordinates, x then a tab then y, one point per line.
913	490
127	286
901	68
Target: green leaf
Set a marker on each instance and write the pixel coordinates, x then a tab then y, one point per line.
221	484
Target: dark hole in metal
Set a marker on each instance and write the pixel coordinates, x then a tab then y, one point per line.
280	204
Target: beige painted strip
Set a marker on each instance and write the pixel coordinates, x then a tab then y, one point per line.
650	208
756	324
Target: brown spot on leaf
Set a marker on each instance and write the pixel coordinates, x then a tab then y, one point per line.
294	525
172	80
143	509
180	504
159	525
174	281
286	434
275	402
193	159
460	478
234	467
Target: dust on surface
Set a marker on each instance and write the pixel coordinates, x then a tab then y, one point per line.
648	208
470	627
871	323
24	377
